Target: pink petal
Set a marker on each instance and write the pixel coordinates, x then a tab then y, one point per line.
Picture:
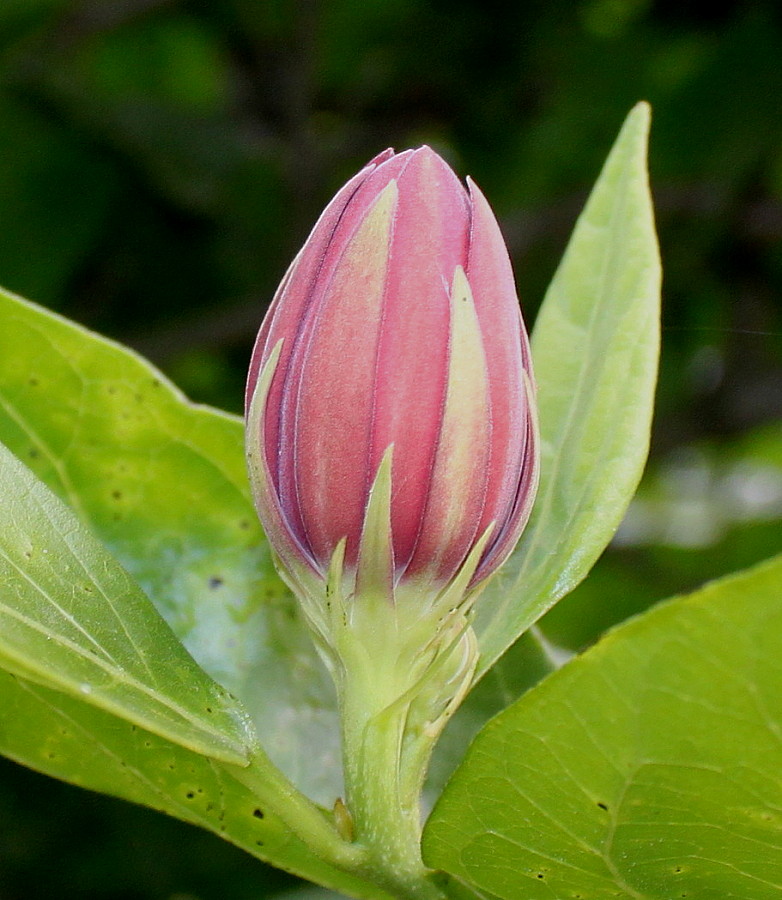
429	241
527	482
491	278
328	256
459	475
335	402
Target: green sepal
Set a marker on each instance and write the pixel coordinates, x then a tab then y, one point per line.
375	570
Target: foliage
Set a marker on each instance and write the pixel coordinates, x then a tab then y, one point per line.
162	161
645	768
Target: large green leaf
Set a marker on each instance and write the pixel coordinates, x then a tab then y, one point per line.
72	619
162	483
68	739
595	349
648	768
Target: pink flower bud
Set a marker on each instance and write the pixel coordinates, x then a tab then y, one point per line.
395	336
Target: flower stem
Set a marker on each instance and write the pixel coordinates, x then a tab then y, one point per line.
383	798
304	818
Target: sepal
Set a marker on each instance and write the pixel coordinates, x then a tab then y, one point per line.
375	569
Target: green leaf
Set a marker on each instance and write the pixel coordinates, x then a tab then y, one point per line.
648	768
68	739
162	483
72	619
595	349
709	507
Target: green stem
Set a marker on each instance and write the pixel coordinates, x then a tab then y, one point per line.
389	858
303	817
382	798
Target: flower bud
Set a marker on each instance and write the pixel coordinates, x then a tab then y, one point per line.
391	429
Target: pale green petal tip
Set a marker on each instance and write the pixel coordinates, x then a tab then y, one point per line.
254	426
465	325
461	290
387	198
460	286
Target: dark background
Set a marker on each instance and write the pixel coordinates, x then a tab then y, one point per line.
162	160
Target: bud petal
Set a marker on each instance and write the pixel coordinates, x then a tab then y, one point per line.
270	511
335	367
393	454
397	326
429	241
452	517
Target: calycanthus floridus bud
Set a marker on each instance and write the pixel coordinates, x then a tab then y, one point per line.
390	413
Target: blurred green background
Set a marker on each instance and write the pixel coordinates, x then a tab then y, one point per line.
162	160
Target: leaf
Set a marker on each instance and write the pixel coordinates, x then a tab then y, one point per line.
595	349
711	507
163	484
68	739
648	768
72	619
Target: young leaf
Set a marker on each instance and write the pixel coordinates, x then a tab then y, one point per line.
648	767
72	619
595	348
162	483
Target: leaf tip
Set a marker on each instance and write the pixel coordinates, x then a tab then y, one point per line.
638	123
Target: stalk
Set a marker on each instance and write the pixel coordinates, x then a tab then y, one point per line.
382	793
